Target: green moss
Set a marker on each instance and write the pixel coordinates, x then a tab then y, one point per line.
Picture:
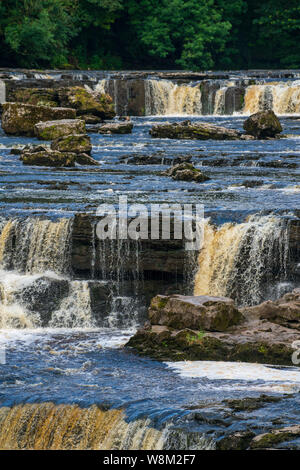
162	303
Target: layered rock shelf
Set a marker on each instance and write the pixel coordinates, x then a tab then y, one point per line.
211	328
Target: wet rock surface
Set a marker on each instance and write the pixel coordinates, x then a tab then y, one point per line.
170	337
186	172
263	124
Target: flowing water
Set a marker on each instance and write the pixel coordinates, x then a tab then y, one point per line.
66	379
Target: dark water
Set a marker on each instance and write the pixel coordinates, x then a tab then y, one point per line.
27	190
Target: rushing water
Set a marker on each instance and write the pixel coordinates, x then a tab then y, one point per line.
63	356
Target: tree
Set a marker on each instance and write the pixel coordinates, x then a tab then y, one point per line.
189	33
37	31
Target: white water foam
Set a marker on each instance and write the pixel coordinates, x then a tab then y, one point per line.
285	380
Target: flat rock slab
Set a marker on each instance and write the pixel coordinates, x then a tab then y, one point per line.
50	130
194	130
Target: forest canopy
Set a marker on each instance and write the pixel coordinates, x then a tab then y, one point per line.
150	34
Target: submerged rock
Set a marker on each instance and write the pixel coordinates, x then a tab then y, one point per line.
86	102
194	130
116	128
271	439
20	119
186	172
77	143
90	119
50	130
263	124
154	159
85	159
48	158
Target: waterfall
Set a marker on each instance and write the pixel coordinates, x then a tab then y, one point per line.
163	97
47	426
35	245
242	261
2	92
282	98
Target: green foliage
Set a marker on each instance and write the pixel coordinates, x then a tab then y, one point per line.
115	34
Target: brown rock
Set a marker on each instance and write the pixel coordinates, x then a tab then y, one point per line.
263	124
20	119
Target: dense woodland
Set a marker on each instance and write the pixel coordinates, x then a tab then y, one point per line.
150	34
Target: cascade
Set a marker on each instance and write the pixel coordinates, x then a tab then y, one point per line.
2	92
242	261
35	245
282	98
47	426
164	97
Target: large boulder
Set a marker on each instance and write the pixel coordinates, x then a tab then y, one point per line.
116	128
48	158
186	172
263	124
50	130
20	119
78	143
194	130
86	102
198	312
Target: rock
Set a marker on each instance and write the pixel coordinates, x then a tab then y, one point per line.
153	159
284	311
85	102
186	172
48	158
194	130
100	295
198	312
77	143
50	130
43	296
271	439
37	96
90	119
116	128
85	159
250	403
239	440
263	124
179	331
20	119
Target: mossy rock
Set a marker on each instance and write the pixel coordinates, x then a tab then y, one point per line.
50	158
78	143
36	96
51	130
20	119
85	102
